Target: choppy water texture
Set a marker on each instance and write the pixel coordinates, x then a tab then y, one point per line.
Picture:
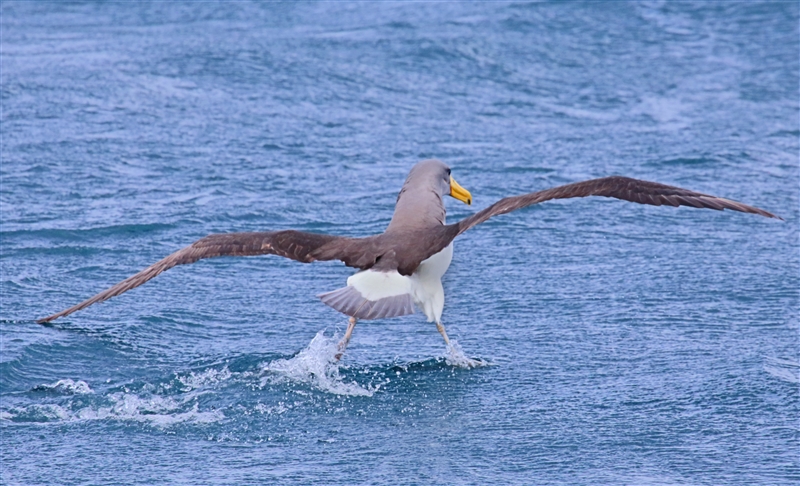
624	344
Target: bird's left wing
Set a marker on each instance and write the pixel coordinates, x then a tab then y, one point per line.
297	245
625	188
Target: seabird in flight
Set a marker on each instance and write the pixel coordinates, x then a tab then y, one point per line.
403	266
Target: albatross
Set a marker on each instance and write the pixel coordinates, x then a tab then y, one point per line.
403	267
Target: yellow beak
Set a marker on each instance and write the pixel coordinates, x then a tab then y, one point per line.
459	192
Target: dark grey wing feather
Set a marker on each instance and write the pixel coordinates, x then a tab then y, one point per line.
297	245
625	188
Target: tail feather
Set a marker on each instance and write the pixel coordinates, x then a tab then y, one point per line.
349	301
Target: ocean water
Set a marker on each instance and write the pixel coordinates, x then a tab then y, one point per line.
622	344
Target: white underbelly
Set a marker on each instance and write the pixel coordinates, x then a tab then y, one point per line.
426	283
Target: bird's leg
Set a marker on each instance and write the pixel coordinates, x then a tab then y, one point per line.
346	339
440	327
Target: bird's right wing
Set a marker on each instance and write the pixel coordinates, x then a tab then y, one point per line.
625	188
297	245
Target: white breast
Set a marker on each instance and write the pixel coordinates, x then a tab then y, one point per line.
426	283
436	265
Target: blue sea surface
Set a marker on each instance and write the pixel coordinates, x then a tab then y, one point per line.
623	344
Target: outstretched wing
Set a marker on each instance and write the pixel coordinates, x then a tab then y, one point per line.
297	245
625	188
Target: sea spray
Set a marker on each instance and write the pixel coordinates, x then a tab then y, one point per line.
315	365
455	357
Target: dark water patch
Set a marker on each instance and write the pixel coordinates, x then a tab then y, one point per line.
791	134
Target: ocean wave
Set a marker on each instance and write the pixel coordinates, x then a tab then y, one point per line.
66	387
155	410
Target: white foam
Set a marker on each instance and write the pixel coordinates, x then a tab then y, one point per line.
315	365
200	379
41	413
156	410
278	409
456	357
67	387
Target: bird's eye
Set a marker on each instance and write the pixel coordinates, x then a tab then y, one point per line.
448	171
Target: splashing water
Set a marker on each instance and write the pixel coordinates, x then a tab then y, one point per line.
315	365
455	357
